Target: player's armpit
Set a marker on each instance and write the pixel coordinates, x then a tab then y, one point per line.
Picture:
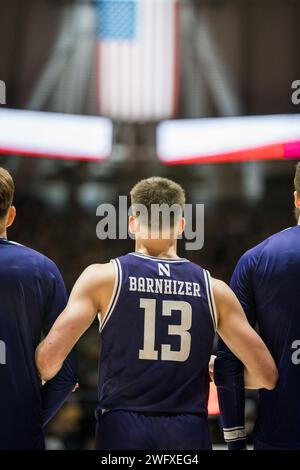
242	339
85	302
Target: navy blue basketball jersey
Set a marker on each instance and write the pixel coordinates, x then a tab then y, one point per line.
157	337
266	282
32	295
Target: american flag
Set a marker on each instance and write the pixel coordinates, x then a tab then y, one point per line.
138	59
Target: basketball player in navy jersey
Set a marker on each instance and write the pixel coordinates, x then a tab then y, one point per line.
266	282
158	316
32	294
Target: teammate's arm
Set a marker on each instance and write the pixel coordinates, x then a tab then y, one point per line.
56	391
229	372
83	305
242	339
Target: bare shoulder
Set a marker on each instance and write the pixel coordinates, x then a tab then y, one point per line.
105	269
95	277
99	273
225	300
220	288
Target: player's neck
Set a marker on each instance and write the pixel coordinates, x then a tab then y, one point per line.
158	248
3	234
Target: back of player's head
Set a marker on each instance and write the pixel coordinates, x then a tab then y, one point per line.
297	191
7	189
297	179
155	192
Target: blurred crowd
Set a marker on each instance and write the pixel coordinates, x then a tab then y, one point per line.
68	237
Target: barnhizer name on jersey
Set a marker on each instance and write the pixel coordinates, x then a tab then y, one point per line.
164	286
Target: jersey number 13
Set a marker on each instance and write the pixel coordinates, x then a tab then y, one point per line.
182	330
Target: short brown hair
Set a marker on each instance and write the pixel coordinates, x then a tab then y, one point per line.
7	189
297	179
158	191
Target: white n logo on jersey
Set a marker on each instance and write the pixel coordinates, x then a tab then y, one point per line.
164	269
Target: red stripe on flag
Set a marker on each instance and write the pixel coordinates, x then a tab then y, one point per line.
176	58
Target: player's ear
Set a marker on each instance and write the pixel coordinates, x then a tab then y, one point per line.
11	216
181	225
132	224
296	200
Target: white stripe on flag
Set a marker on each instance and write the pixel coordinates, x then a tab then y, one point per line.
135	86
169	78
148	67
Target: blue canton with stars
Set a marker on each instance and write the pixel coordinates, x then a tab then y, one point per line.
117	19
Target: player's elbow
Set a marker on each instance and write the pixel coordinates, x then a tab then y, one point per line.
46	363
270	378
42	363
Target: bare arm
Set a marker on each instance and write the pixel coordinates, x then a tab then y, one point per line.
241	338
87	298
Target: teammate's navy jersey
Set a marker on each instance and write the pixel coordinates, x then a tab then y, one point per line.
157	337
266	282
32	294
